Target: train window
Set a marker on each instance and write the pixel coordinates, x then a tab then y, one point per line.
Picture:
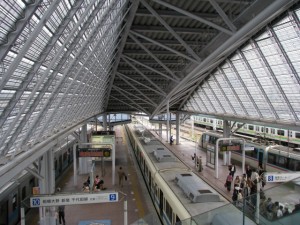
169	211
271	158
297	135
177	219
14	202
257	128
31	183
250	127
280	132
65	156
23	193
267	130
262	129
272	131
282	161
211	121
204	119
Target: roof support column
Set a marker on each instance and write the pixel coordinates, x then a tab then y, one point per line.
104	118
84	161
47	186
177	128
226	134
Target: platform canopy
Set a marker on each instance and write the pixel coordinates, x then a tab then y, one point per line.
63	62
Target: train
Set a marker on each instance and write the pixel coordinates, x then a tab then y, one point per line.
178	194
273	158
14	194
277	135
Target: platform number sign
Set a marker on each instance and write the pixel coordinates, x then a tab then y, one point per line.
270	178
35	202
112	197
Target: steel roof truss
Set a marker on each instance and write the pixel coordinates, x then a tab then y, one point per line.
150	68
29	41
38	119
170	29
223	15
226	31
165	47
160	91
153	56
19	26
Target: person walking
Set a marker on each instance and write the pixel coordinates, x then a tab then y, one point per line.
122	176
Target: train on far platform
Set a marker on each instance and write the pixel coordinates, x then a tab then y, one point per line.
273	158
273	135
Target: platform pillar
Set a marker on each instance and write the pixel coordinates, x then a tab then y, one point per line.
84	162
177	128
47	186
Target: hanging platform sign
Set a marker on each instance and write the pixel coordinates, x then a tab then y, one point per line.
94	152
225	148
75	199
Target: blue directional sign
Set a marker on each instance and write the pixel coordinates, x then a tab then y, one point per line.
73	199
35	202
112	197
270	178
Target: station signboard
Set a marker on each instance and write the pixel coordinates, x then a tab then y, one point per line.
94	152
74	199
280	177
225	148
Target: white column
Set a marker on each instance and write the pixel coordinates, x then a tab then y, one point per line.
177	128
104	118
168	115
47	186
84	162
75	164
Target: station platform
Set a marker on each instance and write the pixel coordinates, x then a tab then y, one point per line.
140	208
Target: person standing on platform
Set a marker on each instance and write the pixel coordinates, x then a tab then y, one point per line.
228	182
232	170
122	176
61	214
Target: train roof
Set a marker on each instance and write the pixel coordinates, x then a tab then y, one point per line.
171	170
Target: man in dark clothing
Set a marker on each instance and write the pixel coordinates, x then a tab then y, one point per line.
61	214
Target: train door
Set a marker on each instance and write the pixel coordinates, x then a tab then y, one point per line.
161	205
260	157
4	213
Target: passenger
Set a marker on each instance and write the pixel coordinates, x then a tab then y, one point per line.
286	210
263	206
85	187
297	207
280	211
122	176
269	209
232	170
248	171
240	198
235	193
228	182
237	181
275	209
171	139
96	183
61	214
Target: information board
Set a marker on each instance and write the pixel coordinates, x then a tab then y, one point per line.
94	152
74	199
280	177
